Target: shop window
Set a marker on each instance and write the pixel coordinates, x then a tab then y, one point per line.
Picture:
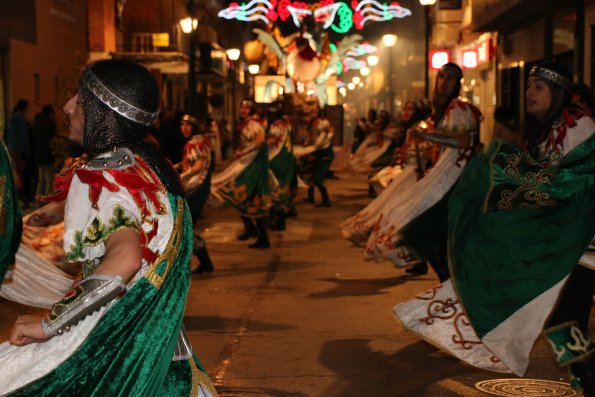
511	89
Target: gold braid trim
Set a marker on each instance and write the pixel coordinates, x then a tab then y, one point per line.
200	378
171	252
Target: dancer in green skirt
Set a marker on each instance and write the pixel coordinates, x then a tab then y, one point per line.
118	331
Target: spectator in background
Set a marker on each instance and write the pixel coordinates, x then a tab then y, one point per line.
359	133
17	139
44	130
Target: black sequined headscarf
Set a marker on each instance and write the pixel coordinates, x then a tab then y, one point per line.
130	86
559	81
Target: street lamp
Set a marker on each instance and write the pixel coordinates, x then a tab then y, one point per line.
389	41
365	71
188	26
253	70
233	54
427	4
373	60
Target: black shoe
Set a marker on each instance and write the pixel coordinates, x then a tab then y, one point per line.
291	213
418	269
200	250
279	223
263	237
202	268
249	229
310	198
261	243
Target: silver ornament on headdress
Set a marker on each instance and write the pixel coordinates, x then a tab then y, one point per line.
115	103
550	75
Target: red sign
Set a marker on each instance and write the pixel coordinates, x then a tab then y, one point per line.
438	58
470	59
484	51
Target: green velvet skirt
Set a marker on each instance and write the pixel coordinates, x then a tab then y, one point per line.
129	351
284	169
11	224
250	191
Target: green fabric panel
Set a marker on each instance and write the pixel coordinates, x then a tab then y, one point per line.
178	381
569	343
317	165
284	168
250	191
502	259
428	232
11	223
129	351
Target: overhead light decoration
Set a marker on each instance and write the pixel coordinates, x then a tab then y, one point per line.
371	10
362	49
350	63
337	16
255	10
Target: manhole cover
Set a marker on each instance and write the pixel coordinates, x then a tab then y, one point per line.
526	388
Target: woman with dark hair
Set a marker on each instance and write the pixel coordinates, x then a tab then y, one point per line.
402	175
317	155
414	230
197	168
282	164
520	244
245	184
119	329
379	144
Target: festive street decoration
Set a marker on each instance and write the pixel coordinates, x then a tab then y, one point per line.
337	16
362	49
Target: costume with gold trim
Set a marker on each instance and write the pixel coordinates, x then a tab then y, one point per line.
127	346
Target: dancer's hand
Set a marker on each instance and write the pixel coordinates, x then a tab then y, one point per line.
27	329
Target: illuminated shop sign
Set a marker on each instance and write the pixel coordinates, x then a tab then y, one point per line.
438	58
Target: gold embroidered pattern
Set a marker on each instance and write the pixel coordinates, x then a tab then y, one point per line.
199	378
528	190
171	252
98	232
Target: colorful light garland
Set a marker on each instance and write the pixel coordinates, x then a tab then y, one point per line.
333	15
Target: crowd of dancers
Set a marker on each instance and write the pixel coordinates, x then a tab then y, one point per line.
507	228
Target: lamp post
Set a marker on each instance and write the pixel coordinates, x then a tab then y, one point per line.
233	54
188	26
389	41
427	4
253	69
373	60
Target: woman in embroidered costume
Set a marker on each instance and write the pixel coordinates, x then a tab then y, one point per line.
282	164
316	156
378	146
119	330
246	183
10	213
519	222
197	168
418	207
404	173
